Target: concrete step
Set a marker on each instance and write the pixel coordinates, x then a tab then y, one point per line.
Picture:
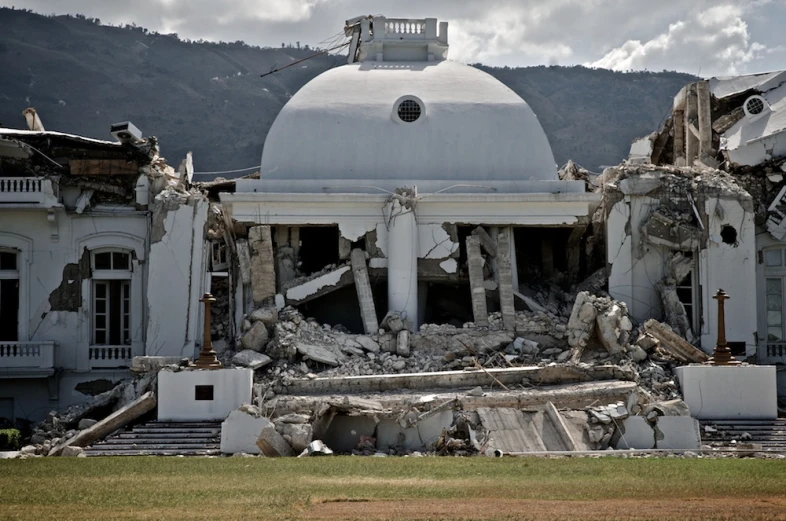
770	434
161	446
153	452
138	441
162	439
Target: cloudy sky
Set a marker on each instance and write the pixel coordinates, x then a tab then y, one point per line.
706	37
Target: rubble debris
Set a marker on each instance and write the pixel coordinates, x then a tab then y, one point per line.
316	448
475	262
365	296
240	431
263	275
272	444
677	346
114	421
145	364
251	359
256	338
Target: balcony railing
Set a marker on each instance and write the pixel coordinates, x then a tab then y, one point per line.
772	353
27	357
110	356
26	191
405	29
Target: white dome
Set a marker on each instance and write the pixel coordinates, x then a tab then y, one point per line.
343	125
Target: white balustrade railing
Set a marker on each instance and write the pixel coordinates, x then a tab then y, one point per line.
405	29
772	353
110	356
26	190
27	355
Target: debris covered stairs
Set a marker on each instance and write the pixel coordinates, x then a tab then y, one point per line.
770	435
162	439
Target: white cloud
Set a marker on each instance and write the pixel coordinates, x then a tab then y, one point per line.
711	41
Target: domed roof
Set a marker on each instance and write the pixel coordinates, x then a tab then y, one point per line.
407	120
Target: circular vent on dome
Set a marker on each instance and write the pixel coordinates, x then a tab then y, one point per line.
409	110
754	105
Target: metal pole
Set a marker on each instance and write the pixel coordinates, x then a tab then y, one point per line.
207	356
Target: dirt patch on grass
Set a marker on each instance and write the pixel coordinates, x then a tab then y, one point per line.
750	509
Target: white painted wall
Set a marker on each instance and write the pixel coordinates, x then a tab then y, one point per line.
729	393
175	283
732	268
176	401
636	266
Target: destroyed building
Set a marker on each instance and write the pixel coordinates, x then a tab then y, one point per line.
409	272
699	206
101	248
386	186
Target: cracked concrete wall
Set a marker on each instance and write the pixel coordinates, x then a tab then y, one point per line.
176	267
54	286
636	266
733	268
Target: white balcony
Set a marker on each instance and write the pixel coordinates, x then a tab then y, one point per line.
772	353
27	359
26	192
110	356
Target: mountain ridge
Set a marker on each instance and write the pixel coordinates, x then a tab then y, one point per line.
209	98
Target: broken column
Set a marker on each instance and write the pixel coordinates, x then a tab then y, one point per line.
263	274
505	271
691	125
365	296
704	119
475	261
403	256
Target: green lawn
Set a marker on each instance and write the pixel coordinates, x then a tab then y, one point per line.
391	488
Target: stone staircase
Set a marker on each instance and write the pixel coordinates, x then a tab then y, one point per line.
770	435
162	439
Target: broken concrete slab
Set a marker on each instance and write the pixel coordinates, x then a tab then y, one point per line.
300	291
144	364
272	444
486	241
251	359
475	262
298	435
114	421
255	338
561	427
505	270
676	345
367	343
402	343
240	431
263	273
662	230
511	430
368	311
320	354
636	433
677	432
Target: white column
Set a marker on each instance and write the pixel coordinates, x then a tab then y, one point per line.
403	261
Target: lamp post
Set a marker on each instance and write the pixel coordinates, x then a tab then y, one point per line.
207	356
722	354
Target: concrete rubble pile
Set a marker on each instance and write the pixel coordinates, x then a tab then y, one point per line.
55	436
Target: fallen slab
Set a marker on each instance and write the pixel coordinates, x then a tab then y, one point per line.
240	431
571	396
111	423
456	379
675	344
272	444
300	291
